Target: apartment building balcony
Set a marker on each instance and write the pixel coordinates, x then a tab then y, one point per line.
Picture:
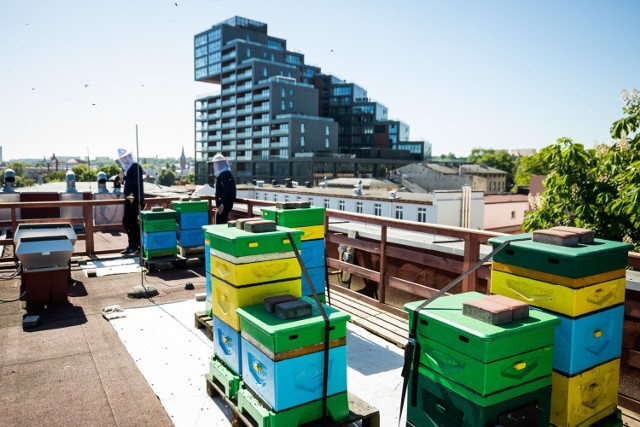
229	113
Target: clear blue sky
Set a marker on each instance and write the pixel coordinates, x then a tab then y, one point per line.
76	77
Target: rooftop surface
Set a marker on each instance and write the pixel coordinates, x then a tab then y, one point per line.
75	368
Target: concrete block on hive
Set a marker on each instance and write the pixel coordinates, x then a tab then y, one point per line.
240	222
261	226
519	309
585	235
271	302
293	309
293	205
556	237
487	311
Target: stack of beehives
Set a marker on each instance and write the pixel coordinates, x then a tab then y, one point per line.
483	362
581	280
310	220
158	232
192	215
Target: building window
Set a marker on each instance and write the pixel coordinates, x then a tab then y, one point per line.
326	203
398	212
283	92
275	197
513	214
264	72
302	141
341	205
359	207
290	92
326	130
377	209
422	214
266	196
286	198
301	127
291	105
299	199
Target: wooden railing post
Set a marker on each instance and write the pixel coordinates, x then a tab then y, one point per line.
382	286
471	256
88	228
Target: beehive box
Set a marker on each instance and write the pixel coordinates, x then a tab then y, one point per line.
208	300
316	275
583	399
587	341
301	217
190	237
442	321
225	299
487	378
158	214
190	205
437	406
312	232
239	243
159	240
559	299
490	399
337	409
312	253
575	262
296	381
280	335
226	345
157	226
555	279
191	220
226	380
266	271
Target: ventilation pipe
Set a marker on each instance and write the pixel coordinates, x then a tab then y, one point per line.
465	217
9	181
102	182
71	182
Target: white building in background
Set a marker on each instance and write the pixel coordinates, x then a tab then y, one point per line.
447	207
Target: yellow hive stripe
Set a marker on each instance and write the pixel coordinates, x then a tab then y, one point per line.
557	298
559	280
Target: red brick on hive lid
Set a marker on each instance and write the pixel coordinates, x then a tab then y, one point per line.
520	310
487	311
293	205
556	237
586	236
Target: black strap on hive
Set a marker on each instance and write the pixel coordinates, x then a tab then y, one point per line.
325	369
412	349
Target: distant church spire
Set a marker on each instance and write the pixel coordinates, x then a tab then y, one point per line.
183	162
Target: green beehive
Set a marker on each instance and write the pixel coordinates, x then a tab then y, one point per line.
437	406
300	217
582	260
442	321
158	219
190	205
278	335
239	243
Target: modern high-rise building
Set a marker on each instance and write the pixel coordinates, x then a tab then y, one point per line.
276	117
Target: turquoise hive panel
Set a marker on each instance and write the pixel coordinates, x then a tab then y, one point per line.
295	381
588	341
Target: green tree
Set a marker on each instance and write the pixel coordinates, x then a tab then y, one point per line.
190	178
531	165
110	170
83	173
167	177
595	188
18	168
57	176
499	159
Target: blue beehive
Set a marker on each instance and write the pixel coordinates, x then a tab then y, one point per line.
316	275
587	341
312	253
291	382
190	237
192	220
226	345
159	240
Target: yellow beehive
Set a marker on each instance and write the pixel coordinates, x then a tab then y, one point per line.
559	280
225	299
255	272
559	299
583	399
312	232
